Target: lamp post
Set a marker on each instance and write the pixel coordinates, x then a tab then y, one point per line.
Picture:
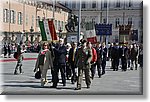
31	30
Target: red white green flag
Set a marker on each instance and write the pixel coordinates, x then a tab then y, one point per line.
91	36
48	32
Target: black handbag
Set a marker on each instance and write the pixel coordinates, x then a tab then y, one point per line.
15	55
38	75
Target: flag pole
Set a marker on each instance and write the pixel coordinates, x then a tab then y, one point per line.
53	19
79	20
107	22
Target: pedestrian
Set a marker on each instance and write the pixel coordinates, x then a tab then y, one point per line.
5	50
71	61
19	59
115	56
99	58
93	62
59	63
104	58
140	57
68	68
134	55
53	57
83	62
124	57
44	62
9	50
129	56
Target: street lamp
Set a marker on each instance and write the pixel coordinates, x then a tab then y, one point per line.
31	30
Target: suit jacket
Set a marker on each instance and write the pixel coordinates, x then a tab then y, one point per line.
60	54
83	58
104	54
48	63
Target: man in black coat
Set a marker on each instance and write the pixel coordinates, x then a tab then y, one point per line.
71	59
134	55
59	63
5	50
104	58
124	57
99	58
115	57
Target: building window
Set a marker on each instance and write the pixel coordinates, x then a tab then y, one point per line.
118	3
5	15
130	21
94	4
93	21
32	20
27	20
130	3
20	18
12	16
83	4
74	5
105	4
37	21
104	20
117	22
66	3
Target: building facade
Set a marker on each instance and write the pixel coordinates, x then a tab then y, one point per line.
20	19
115	12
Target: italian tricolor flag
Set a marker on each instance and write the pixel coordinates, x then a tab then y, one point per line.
47	30
91	36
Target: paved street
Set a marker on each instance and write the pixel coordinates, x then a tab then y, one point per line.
113	82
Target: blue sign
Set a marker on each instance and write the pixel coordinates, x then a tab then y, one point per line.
103	29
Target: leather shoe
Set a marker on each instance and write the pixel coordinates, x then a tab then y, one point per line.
53	86
88	87
77	88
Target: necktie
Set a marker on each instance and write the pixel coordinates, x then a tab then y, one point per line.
73	54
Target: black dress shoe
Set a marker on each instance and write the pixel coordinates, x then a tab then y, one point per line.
64	84
53	86
77	88
88	87
72	82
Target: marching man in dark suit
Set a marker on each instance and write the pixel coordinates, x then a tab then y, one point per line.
104	57
82	60
71	60
59	63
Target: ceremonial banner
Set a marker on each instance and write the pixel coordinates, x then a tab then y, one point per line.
91	36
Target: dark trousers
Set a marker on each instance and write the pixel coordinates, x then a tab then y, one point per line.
68	70
56	74
93	69
5	53
124	63
115	64
140	60
74	76
103	66
134	62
